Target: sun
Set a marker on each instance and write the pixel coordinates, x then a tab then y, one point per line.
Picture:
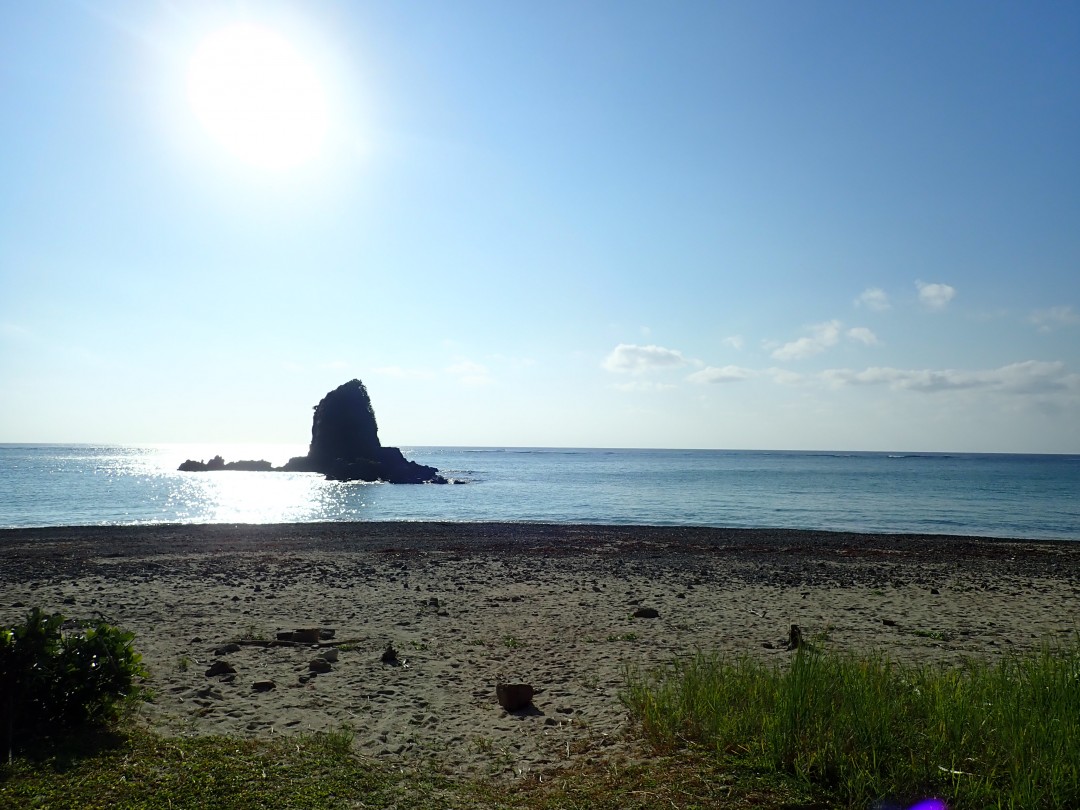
256	95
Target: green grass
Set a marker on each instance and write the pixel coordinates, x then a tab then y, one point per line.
133	769
986	735
136	769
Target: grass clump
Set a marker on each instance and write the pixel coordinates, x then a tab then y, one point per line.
1000	735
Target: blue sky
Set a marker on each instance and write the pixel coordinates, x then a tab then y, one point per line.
829	225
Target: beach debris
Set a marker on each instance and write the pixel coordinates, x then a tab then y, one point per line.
646	613
514	696
263	686
795	638
389	655
307	635
220	668
319	664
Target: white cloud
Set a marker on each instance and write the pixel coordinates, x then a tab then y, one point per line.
781	376
1028	377
1048	319
633	359
863	335
711	374
935	296
873	298
822	336
734	341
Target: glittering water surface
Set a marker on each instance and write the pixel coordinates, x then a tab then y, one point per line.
991	495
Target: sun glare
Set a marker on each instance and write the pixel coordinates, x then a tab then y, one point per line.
256	95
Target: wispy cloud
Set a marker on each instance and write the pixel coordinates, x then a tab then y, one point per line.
628	358
935	296
401	373
726	374
821	337
1028	377
1049	319
649	386
14	331
873	298
734	341
469	372
862	335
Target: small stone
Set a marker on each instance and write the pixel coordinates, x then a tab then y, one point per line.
307	635
935	591
220	668
69	600
319	665
389	655
768	645
263	686
646	613
226	649
514	696
330	655
888	622
327	633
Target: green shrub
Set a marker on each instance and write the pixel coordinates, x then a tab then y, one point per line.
56	674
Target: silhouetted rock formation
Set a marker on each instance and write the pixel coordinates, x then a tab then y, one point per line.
345	443
344	446
218	463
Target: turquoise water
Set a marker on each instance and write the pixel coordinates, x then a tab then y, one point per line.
989	495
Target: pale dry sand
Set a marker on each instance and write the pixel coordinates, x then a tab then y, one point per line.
468	605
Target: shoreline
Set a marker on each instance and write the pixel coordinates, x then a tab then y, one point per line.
466	605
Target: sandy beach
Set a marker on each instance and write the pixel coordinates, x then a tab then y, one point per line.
465	606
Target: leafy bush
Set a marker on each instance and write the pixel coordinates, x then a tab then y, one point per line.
56	674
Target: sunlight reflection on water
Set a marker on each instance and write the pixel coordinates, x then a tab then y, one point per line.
251	497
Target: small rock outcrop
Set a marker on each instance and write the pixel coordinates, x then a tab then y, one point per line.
218	463
344	446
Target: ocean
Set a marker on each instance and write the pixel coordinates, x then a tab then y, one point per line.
1020	496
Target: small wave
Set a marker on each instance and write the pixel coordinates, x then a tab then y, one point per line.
934	456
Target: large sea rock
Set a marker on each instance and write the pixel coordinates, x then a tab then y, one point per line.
345	446
345	443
